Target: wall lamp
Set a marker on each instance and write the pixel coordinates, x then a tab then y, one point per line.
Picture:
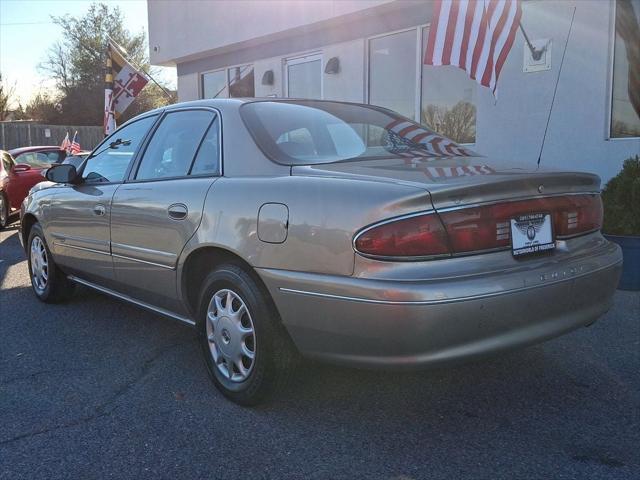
267	77
332	66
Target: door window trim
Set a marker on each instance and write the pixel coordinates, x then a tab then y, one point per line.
131	175
134	157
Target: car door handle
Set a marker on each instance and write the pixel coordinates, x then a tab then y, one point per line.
99	210
177	211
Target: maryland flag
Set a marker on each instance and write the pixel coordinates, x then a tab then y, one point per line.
123	83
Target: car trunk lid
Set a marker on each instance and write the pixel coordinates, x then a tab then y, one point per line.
459	181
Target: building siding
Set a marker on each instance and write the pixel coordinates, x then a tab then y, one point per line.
508	128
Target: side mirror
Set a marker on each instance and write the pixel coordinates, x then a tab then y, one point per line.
64	173
21	167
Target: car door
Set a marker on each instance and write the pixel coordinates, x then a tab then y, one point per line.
78	217
159	208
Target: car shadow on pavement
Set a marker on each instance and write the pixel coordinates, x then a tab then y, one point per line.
9	254
95	369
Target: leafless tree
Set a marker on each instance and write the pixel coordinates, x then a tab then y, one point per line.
7	98
457	123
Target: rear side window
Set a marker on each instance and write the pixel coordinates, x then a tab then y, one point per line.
207	161
174	145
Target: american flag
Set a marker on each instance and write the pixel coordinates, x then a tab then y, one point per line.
436	172
74	147
412	140
474	35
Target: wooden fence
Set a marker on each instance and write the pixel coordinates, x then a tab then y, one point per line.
26	134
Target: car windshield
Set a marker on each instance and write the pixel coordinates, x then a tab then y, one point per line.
304	132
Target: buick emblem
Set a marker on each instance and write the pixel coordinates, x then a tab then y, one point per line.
540	188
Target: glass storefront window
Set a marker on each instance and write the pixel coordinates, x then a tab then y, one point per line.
392	72
304	77
625	95
214	85
447	101
241	82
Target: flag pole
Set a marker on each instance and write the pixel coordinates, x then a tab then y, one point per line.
123	51
108	94
535	53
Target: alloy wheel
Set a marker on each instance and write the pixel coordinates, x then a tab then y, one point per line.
231	335
39	264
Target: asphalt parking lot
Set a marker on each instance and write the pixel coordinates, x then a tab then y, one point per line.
95	388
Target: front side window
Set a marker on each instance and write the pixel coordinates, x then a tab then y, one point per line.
447	100
307	132
174	144
110	162
392	72
625	101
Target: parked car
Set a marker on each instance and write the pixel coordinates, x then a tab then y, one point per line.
345	232
76	159
15	181
39	157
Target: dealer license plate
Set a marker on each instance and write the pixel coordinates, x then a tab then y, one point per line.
531	233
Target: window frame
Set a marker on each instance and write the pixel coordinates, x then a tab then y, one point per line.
297	59
226	76
611	61
134	157
418	29
131	176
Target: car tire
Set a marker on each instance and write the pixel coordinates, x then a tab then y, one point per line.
236	321
49	283
4	211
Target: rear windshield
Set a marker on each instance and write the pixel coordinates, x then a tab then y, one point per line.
305	132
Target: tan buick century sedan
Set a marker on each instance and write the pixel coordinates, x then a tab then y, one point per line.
341	231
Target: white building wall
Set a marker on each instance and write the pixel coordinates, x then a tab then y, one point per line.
182	30
512	127
188	87
509	128
348	84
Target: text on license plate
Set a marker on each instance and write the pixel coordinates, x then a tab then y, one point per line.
531	233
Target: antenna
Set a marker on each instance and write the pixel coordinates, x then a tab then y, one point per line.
555	89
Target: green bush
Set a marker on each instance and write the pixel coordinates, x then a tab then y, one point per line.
621	200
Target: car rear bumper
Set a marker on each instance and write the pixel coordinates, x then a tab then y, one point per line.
391	323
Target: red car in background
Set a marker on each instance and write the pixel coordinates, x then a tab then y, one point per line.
39	157
16	179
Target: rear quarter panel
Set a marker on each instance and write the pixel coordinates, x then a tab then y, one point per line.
324	215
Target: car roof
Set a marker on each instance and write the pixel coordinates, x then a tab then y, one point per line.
41	148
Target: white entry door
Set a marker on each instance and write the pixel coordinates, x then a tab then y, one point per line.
304	77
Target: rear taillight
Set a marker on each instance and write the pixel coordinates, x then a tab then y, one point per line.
488	227
578	214
474	229
417	236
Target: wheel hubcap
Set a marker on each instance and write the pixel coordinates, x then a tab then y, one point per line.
231	335
39	264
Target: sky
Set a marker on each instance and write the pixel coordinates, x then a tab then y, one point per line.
27	32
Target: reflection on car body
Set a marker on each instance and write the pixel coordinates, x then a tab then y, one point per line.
341	231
